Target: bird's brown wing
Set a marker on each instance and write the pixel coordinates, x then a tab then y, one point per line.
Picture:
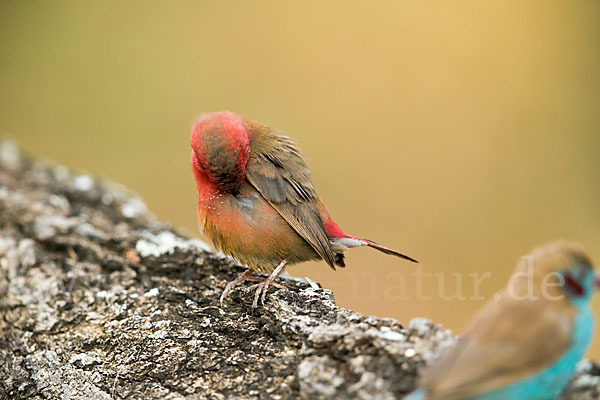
278	170
507	341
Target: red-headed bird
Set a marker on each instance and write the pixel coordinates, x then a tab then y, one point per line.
257	202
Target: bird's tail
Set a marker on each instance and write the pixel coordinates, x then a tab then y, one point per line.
387	250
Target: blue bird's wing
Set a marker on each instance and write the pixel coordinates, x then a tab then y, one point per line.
509	340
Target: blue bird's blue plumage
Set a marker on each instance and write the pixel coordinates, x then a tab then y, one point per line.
416	395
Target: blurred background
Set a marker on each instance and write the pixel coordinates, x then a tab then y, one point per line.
462	133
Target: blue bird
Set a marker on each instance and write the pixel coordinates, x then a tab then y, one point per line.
525	343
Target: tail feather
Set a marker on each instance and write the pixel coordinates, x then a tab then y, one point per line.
387	250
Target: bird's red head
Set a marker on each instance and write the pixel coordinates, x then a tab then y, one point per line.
220	149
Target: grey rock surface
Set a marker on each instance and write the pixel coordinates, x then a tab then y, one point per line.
99	300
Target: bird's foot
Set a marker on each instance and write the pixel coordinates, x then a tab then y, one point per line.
247	276
263	287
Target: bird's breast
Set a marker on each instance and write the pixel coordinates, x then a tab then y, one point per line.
245	226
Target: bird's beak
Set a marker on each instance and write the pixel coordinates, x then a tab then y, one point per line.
597	282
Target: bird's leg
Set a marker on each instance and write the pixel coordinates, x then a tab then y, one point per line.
261	279
246	276
263	287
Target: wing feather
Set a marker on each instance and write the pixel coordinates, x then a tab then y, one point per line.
278	170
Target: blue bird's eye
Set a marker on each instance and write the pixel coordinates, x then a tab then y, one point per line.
573	285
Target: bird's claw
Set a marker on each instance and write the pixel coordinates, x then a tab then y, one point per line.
261	291
261	288
236	282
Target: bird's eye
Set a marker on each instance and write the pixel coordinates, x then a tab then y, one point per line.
573	285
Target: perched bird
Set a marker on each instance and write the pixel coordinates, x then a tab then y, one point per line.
525	343
257	203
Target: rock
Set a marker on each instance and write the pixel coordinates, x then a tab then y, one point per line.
99	300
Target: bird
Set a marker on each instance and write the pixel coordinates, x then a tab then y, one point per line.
524	344
257	202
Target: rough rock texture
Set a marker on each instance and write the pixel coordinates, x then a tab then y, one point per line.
98	300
